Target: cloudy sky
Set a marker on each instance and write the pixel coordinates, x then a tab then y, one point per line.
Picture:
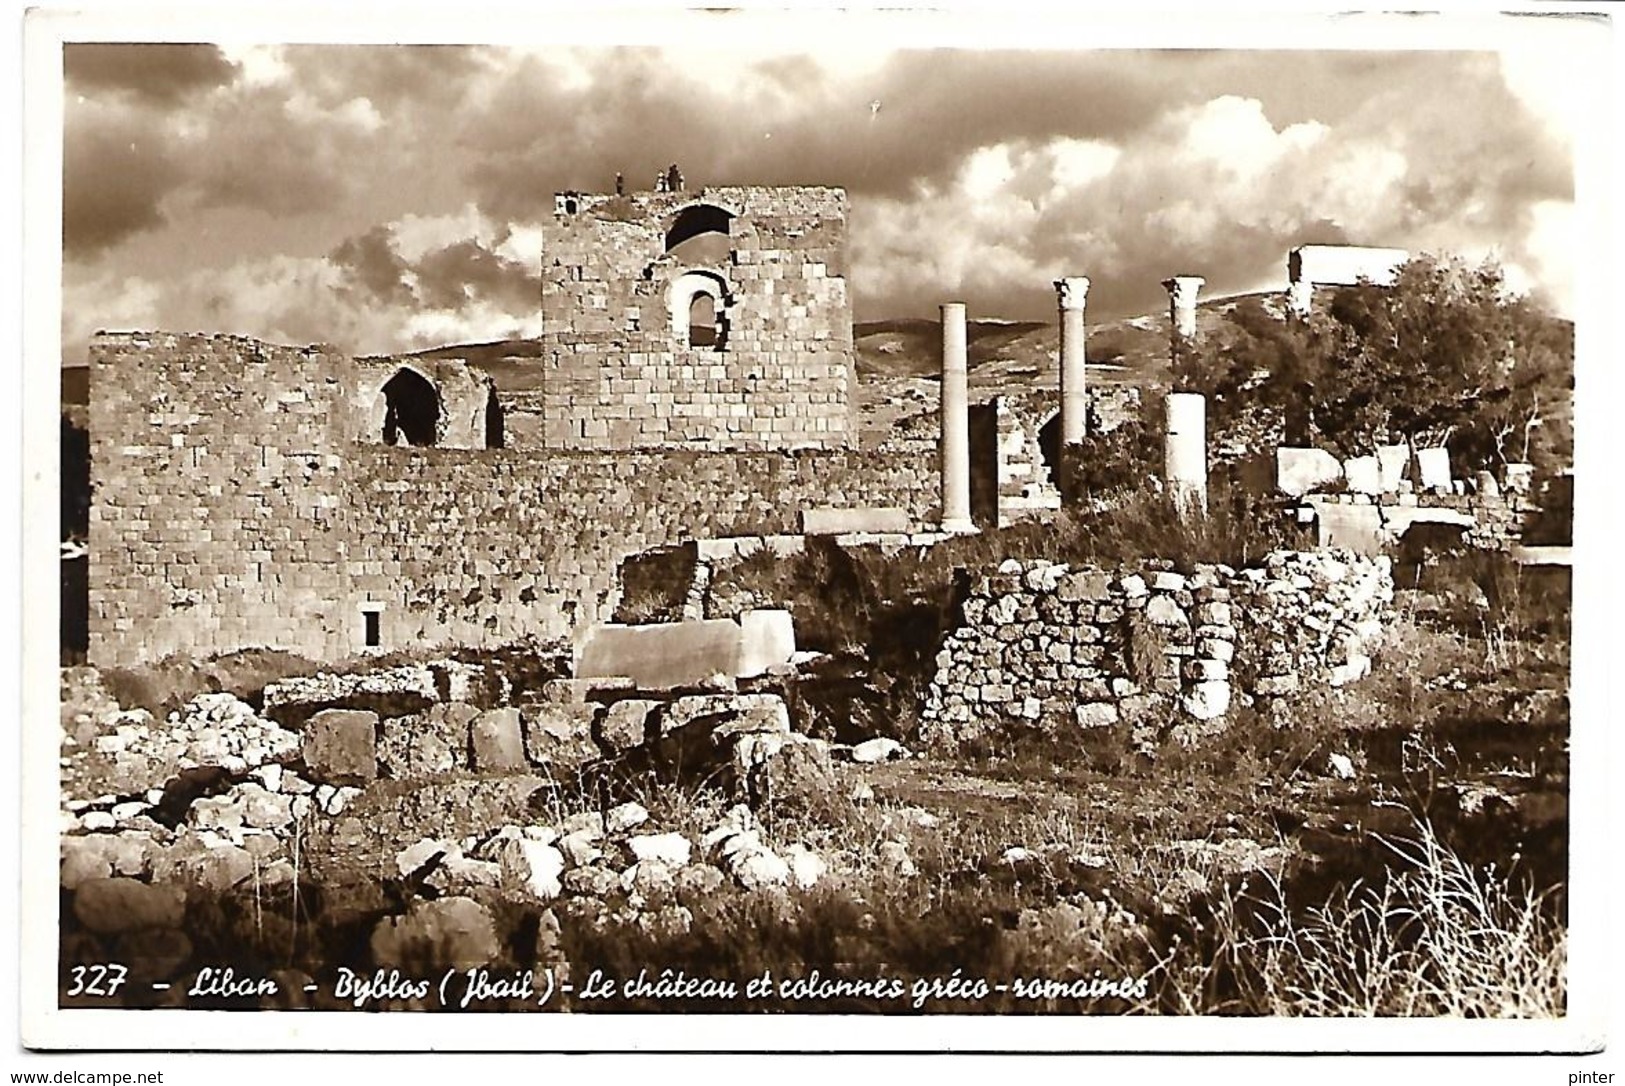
386	197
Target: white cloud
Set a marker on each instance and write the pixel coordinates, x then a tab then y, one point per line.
262	65
1550	79
415	236
1078	162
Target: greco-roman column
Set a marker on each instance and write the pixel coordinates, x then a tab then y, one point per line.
1182	291
955	408
1184	466
1070	295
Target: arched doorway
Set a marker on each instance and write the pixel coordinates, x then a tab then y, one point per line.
412	410
702	320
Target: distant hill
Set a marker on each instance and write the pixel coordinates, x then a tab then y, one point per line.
898	360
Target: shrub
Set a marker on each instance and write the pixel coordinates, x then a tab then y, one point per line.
1237	530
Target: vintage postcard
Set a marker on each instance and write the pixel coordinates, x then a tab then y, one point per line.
790	531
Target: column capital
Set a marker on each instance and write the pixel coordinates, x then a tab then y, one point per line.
1184	285
1072	290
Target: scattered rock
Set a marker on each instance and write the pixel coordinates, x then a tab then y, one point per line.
790	770
220	869
648	883
806	866
560	735
341	746
894	859
760	868
538	865
84	859
596	882
412	749
672	849
625	817
578	848
697	883
415	857
624	725
879	749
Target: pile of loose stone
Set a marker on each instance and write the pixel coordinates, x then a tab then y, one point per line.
211	799
1045	645
609	867
218	797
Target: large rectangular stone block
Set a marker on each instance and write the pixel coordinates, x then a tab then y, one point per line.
1364	474
828	521
496	741
341	747
1303	471
768	639
1358	528
1433	468
664	655
1392	461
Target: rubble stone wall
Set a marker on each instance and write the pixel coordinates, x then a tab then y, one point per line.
1046	646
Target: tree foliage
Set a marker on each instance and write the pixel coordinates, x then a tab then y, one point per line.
1446	355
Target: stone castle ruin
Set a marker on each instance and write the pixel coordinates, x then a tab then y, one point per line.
694	380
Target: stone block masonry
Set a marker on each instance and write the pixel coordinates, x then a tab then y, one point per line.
1049	647
243	500
621	367
217	517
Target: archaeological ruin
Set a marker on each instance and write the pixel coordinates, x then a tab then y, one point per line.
694	380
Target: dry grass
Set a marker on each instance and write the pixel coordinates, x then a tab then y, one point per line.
1436	938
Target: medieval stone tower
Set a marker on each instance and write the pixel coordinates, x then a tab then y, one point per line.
717	319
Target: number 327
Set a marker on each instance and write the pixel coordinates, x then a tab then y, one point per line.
97	980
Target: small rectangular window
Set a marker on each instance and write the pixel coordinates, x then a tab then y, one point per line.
370	618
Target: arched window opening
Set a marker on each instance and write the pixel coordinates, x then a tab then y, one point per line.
700	235
412	410
693	221
493	421
702	321
699	310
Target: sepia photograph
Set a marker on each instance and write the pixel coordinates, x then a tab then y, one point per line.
877	530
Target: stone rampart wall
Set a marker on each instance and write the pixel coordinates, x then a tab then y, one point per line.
242	500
